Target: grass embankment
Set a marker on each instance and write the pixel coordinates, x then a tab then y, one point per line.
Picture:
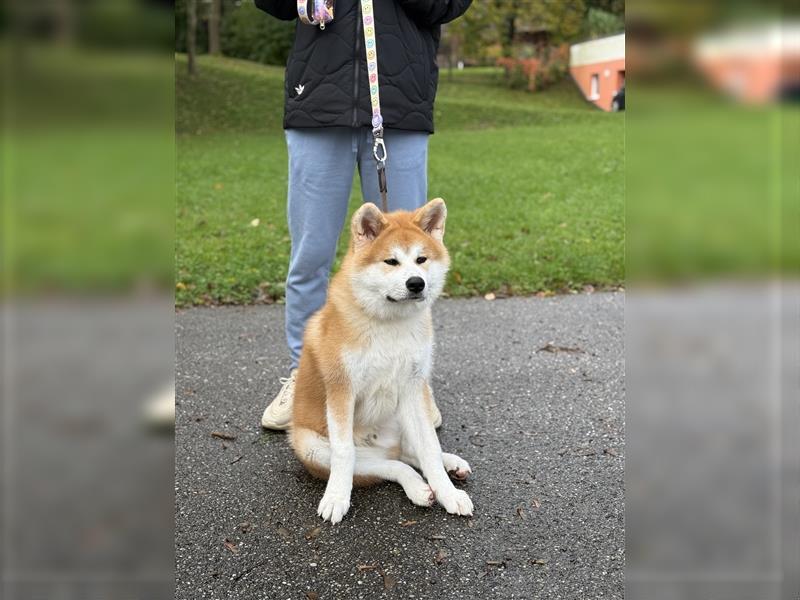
534	185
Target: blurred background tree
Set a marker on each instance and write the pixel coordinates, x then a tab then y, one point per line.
235	28
214	18
472	37
600	23
191	35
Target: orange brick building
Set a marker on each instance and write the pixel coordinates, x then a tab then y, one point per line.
598	69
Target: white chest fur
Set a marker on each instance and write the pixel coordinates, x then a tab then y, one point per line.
394	357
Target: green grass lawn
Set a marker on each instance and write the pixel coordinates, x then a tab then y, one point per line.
534	185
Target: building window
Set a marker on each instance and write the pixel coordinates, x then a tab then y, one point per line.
594	93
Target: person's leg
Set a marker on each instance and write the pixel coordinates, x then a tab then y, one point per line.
406	169
321	164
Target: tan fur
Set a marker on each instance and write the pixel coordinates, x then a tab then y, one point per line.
322	380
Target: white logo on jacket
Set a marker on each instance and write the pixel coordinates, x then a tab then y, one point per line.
299	89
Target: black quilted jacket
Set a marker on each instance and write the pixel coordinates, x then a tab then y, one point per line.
326	75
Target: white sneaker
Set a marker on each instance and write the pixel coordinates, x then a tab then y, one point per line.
278	414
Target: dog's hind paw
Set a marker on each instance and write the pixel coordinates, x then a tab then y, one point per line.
332	507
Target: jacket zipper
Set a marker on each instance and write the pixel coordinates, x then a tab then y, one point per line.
357	63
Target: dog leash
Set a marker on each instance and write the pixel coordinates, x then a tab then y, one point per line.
378	145
323	14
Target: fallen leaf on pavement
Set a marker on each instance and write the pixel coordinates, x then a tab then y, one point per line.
222	436
521	512
495	563
552	348
312	596
231	546
312	533
408	523
363	568
440	556
388	581
535	504
284	533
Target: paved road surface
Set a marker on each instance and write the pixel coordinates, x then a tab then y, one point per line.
532	394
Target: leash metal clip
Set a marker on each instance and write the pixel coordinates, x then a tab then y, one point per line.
379	152
379	149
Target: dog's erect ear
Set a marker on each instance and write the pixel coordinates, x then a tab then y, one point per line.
431	217
368	222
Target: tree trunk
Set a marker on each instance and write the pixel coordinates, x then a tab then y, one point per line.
510	33
214	19
64	14
191	34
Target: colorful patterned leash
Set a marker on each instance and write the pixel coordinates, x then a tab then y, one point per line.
378	145
323	14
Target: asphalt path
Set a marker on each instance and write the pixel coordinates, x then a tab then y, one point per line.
532	393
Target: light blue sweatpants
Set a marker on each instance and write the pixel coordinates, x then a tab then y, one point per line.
321	166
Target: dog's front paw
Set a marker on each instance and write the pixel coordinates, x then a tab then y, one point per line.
333	507
456	467
456	502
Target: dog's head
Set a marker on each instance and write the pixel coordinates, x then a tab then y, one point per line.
399	262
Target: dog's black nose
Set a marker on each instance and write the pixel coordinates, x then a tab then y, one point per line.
415	284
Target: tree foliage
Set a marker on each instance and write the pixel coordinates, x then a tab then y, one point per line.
249	33
614	7
245	32
561	19
472	34
599	23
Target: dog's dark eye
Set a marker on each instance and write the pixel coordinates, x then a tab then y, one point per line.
421	259
392	261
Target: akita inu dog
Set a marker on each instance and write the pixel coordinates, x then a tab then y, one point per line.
362	404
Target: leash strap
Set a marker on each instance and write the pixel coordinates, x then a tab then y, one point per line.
323	14
378	145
